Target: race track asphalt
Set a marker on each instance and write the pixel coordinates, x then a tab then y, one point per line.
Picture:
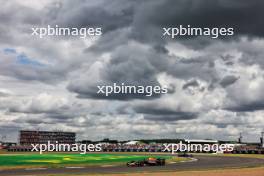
202	163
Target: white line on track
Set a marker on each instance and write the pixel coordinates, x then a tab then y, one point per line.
192	160
74	167
40	168
107	165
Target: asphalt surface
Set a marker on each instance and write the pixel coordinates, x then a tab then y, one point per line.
202	163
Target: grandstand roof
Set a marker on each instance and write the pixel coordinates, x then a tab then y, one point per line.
201	141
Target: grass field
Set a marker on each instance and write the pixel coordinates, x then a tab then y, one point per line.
59	160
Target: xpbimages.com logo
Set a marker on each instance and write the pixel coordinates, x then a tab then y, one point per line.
148	91
182	147
188	30
84	32
58	147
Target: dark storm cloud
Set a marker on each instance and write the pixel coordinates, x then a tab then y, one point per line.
132	68
228	80
163	114
146	22
192	68
108	15
132	50
247	107
110	41
173	117
132	65
244	16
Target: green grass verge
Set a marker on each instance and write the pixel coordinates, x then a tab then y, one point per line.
60	160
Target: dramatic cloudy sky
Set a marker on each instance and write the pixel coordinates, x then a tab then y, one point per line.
216	84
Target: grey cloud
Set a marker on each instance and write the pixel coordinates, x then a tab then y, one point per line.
192	83
112	96
206	13
38	109
246	106
130	64
4	94
25	15
174	117
138	54
163	114
192	68
228	80
109	16
146	23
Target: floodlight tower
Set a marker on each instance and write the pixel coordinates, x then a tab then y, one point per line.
262	139
240	138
